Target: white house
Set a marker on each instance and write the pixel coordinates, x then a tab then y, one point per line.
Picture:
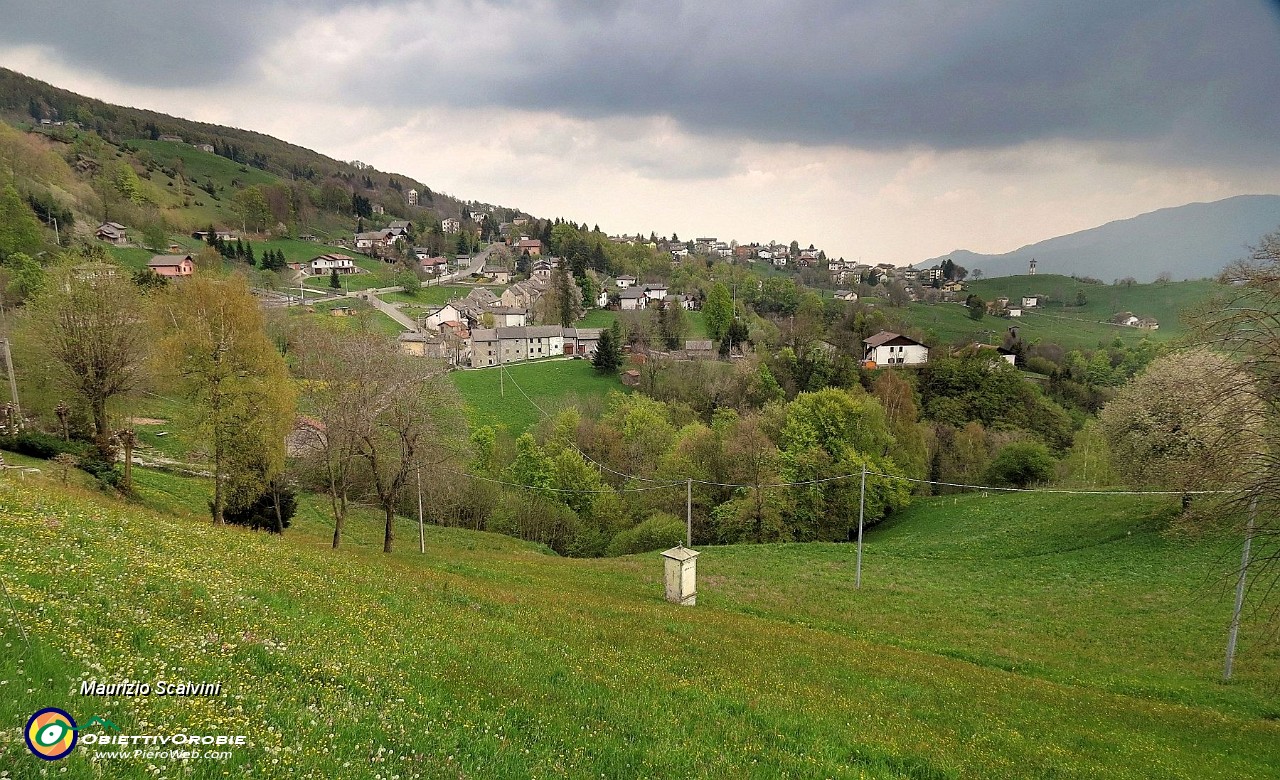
1014	311
438	315
450	225
656	291
325	264
1029	301
891	349
624	282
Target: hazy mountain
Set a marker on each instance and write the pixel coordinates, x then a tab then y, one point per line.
1189	242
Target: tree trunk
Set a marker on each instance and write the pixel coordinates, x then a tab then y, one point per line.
275	499
386	541
101	435
217	485
339	515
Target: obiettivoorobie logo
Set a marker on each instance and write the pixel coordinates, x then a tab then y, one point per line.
51	734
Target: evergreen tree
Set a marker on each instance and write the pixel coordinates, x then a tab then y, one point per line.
334	282
608	357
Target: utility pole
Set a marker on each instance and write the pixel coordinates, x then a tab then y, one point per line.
862	504
1244	567
422	538
13	382
688	513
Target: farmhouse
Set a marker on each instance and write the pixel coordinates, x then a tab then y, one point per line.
846	295
892	349
112	232
332	262
172	266
422	345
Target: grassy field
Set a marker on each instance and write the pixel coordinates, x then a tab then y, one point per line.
1004	637
1071	326
550	384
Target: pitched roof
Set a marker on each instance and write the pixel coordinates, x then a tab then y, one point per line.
164	261
884	337
633	292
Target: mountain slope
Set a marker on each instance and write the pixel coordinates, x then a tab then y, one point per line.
95	138
1188	242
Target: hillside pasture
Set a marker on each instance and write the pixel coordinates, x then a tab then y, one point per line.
992	638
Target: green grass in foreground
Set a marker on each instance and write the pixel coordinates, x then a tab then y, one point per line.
551	384
1018	636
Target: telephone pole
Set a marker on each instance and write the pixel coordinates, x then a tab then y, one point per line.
862	504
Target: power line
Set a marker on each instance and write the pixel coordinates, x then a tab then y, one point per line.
562	490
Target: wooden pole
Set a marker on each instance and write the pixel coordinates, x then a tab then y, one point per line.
688	513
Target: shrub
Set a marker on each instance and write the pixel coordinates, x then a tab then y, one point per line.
261	514
40	445
534	518
1020	464
103	470
659	532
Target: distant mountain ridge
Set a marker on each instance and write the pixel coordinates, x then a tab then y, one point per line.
1188	242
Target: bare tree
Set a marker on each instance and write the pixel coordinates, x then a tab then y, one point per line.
385	416
1245	322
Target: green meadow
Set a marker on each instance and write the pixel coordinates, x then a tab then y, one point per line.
550	384
1024	636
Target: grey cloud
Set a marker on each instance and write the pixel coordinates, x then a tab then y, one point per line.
156	43
1188	80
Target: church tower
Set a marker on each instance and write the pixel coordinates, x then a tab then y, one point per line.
1032	270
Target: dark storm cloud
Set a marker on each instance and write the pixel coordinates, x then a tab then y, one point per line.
155	43
1189	80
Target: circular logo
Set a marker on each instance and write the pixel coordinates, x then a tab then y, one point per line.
51	734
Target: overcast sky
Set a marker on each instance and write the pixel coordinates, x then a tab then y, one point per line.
887	130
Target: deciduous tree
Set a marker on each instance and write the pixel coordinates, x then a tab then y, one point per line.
217	351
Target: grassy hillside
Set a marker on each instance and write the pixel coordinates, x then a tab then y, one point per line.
1062	321
551	384
989	640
